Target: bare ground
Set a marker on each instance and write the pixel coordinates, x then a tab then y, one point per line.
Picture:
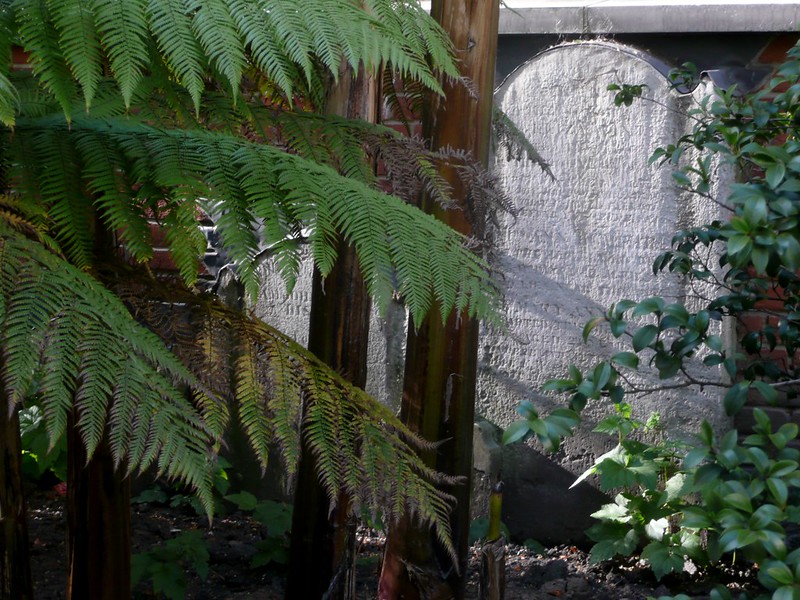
562	572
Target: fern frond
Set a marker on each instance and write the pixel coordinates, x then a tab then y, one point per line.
122	25
69	342
9	101
74	39
61	186
74	21
186	241
218	35
360	446
29	219
250	400
258	29
40	37
105	181
507	136
9	97
392	239
172	28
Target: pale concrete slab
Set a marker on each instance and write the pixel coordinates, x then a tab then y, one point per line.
642	16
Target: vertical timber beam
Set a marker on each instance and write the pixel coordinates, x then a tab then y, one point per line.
323	540
441	358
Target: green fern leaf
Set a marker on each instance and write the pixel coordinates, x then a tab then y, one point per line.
9	101
172	29
40	37
255	22
216	31
123	29
74	21
61	331
9	97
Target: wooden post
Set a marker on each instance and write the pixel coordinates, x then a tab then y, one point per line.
492	583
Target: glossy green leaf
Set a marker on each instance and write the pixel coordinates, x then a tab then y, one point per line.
516	431
648	306
643	337
626	359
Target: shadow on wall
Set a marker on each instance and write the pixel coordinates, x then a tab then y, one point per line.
538	502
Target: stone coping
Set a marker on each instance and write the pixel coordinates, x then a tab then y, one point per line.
643	16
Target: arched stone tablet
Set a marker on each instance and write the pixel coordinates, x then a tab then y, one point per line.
588	237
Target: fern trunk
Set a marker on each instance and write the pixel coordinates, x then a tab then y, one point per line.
15	569
441	358
98	525
323	540
98	503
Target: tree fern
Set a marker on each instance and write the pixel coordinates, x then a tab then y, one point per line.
158	114
273	378
67	342
123	30
62	38
385	231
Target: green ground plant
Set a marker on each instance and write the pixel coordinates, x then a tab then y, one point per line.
166	565
276	517
39	456
729	496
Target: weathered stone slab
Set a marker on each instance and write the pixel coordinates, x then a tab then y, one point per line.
588	237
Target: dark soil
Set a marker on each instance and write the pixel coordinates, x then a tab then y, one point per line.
562	572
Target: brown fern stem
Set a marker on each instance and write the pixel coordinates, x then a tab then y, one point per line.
15	569
323	540
441	358
321	546
98	525
98	504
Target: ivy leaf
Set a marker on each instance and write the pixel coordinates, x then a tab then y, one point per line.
623	545
662	558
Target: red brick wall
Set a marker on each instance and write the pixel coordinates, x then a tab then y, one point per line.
770	311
